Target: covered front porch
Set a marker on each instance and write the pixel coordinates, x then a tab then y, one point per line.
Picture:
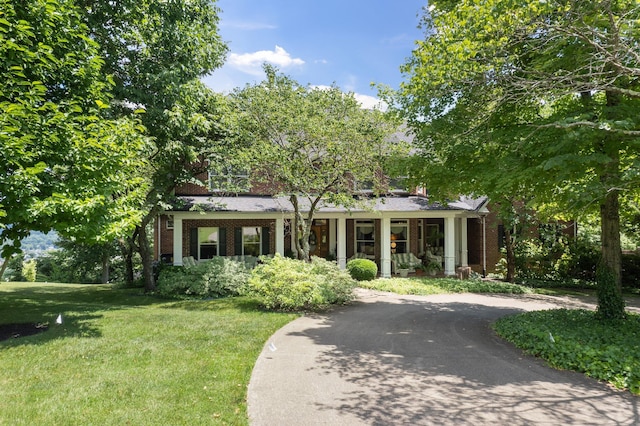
340	235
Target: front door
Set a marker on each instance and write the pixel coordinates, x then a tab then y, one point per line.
319	238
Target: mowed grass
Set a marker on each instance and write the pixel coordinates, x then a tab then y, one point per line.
121	357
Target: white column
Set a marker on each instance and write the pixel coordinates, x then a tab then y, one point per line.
385	245
177	241
341	247
464	249
449	246
332	237
280	236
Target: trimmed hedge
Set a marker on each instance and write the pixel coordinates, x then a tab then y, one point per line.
362	269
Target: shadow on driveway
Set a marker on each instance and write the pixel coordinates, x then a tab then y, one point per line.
393	359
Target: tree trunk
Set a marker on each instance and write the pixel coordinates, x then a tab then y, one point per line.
128	248
145	254
609	277
301	228
3	268
105	268
610	234
511	255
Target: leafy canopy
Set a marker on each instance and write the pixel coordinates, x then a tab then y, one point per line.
61	162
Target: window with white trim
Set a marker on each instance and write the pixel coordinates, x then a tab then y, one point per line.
251	241
399	236
365	237
229	179
208	242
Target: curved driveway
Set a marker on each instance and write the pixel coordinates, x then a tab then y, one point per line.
389	360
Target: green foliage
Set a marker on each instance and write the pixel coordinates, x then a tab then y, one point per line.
427	286
505	82
287	284
29	270
631	270
83	263
329	142
62	160
579	260
362	269
14	268
218	277
579	340
610	301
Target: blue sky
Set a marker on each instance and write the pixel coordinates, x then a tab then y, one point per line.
351	43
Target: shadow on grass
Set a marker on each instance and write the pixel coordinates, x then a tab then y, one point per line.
78	305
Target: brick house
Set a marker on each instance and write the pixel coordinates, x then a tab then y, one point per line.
206	223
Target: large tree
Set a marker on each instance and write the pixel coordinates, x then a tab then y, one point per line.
61	160
314	145
535	99
156	52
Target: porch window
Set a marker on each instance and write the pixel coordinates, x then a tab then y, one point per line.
251	241
365	237
399	236
208	242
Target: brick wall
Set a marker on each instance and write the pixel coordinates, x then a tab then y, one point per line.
166	239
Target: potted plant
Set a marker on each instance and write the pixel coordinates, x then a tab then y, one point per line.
403	269
432	268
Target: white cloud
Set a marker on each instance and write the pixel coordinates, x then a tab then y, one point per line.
365	101
370	102
251	63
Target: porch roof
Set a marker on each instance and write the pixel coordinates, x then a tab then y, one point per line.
268	204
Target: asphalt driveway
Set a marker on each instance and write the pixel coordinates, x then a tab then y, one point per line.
390	360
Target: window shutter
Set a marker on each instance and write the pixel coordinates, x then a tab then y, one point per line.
193	242
222	241
237	241
266	246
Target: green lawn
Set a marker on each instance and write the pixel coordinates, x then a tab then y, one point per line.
121	357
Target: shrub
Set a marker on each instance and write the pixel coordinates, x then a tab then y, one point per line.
362	269
631	270
288	284
579	261
218	277
29	271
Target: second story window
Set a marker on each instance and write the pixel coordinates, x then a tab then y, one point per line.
229	179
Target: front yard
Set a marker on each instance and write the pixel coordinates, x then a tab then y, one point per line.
120	357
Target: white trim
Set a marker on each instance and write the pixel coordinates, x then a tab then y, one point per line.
464	249
449	246
280	236
177	241
341	248
385	244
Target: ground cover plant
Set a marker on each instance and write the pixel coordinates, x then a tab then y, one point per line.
122	357
217	277
426	286
579	340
